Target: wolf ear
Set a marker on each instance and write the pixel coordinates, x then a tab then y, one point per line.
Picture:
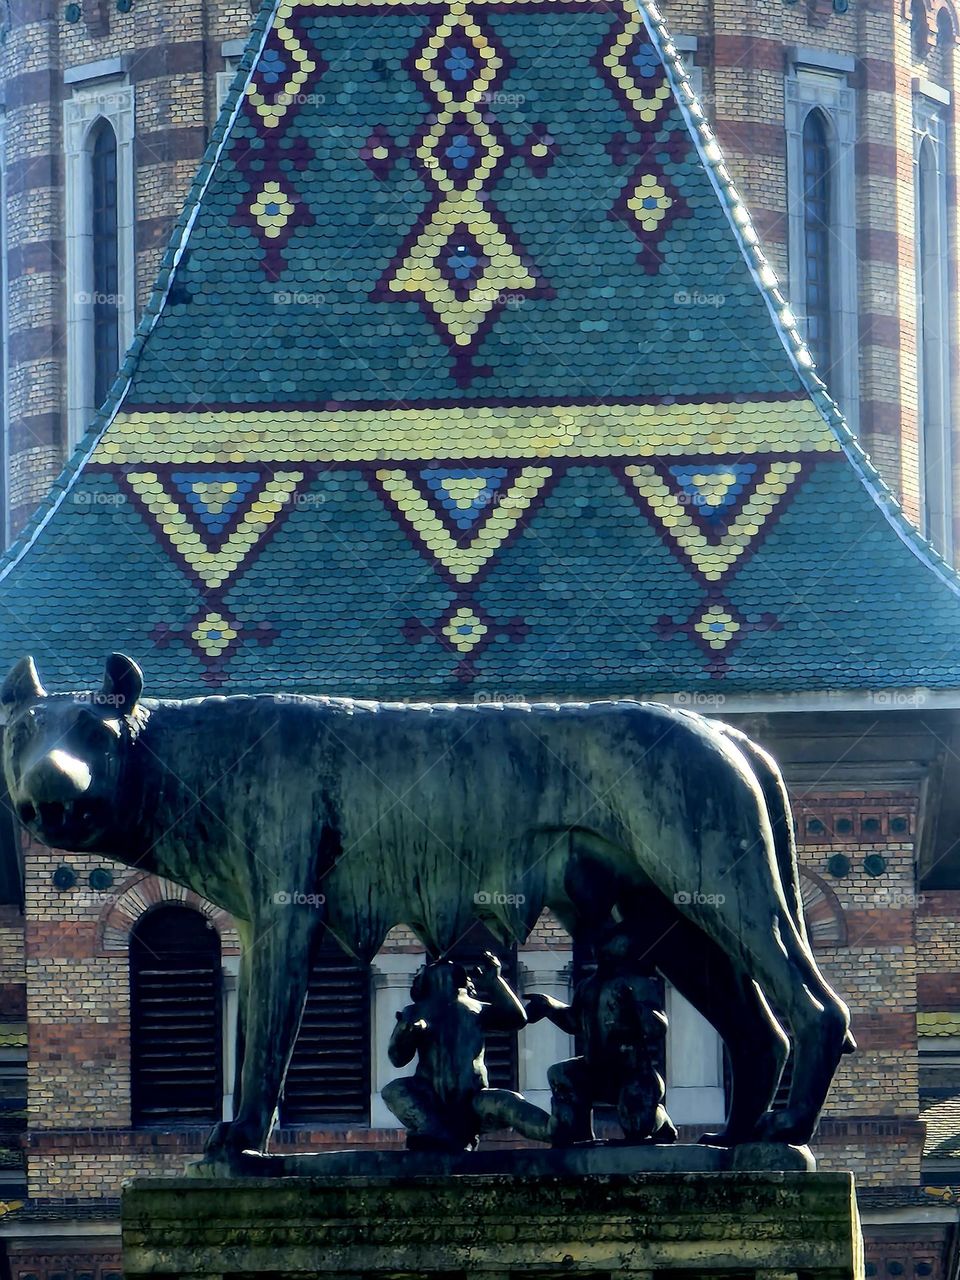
122	683
21	686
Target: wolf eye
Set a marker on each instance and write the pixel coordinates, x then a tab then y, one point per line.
92	731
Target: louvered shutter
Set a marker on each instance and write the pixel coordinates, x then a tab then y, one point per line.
176	1058
328	1080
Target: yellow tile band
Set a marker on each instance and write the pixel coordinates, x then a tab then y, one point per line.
547	431
938	1024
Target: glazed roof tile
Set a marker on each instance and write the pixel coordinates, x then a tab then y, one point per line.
465	374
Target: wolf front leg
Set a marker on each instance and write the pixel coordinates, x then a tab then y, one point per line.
274	971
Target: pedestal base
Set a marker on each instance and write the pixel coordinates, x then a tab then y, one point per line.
496	1226
545	1162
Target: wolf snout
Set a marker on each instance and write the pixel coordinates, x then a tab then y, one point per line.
58	778
54	791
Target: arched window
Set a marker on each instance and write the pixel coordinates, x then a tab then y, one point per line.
176	1052
919	30
99	222
105	274
817	201
933	346
328	1080
945	31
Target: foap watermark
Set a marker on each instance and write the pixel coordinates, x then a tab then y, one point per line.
707	499
93	900
298	298
897	697
699	298
697	899
497	98
301	99
696	699
512	301
308	501
97	698
889	896
106	100
95	498
85	298
488	898
294	898
498	698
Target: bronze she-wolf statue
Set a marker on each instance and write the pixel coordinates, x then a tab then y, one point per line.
434	816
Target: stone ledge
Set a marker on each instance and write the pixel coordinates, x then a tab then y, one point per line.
595	1159
496	1225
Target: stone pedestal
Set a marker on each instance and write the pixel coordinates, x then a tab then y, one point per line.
494	1226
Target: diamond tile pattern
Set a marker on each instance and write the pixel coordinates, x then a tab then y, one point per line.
473	379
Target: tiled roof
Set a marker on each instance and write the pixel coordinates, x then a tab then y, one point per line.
943	1129
938	1024
465	375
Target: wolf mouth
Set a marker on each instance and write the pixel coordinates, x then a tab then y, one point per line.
82	817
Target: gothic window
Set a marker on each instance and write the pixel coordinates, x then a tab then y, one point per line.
817	240
176	1053
821	124
945	32
104	228
933	313
919	30
99	224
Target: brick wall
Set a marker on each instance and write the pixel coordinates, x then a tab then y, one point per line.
172	53
875	971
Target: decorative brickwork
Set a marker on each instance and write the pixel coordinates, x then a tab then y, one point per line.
137	894
49	1264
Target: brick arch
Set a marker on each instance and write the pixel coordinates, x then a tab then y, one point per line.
826	922
137	895
928	18
945	19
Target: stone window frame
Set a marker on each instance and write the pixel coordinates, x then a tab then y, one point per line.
817	79
231	51
113	100
823	912
927	19
4	341
695	1088
931	107
687	47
